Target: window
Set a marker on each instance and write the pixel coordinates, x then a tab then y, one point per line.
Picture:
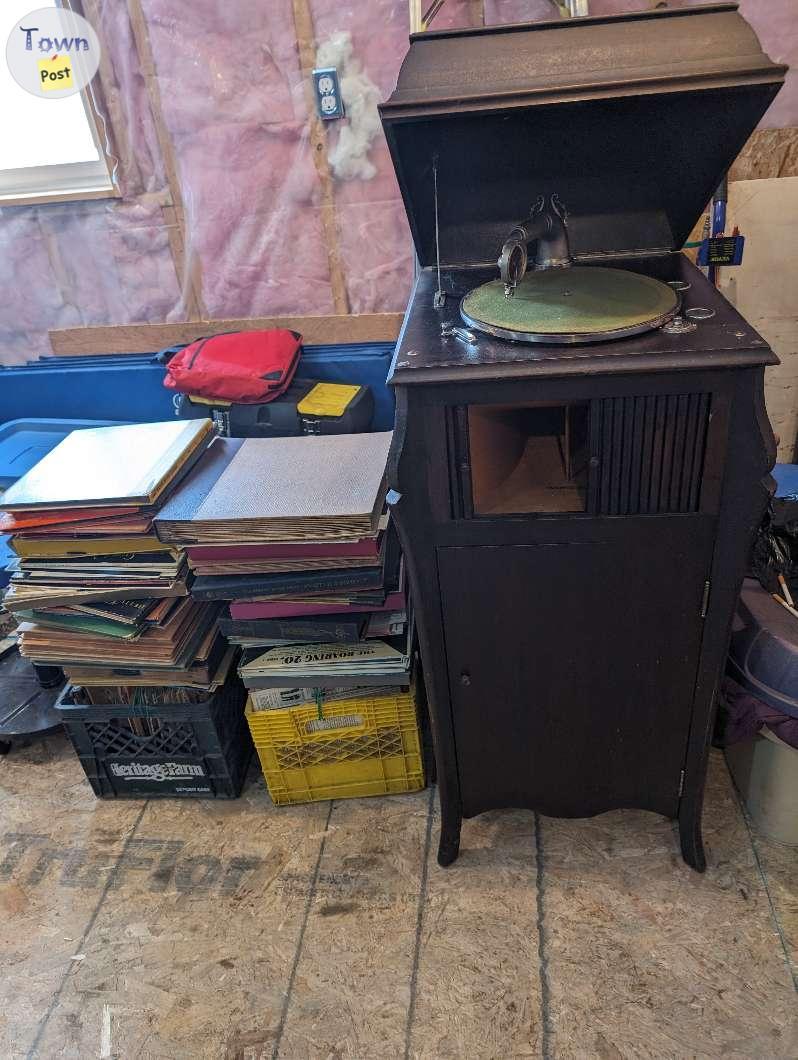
50	149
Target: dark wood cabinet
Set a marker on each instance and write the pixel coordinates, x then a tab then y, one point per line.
576	508
576	531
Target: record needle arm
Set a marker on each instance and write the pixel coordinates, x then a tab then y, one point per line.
547	230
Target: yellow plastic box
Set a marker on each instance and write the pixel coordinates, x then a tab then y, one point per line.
359	747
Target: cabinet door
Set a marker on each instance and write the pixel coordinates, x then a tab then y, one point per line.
572	666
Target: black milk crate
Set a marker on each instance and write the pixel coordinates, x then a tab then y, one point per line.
189	750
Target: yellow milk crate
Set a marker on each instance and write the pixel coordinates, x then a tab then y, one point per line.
368	746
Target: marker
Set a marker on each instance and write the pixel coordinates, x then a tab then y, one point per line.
786	591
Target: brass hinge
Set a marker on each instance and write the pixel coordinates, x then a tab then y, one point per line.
681	783
705	599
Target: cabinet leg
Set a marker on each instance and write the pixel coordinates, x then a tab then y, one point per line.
690	836
431	765
449	845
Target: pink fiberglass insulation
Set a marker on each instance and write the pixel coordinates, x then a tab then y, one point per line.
235	107
375	243
140	169
374	239
72	264
234	104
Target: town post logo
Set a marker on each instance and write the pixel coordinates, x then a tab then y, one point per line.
55	73
53	52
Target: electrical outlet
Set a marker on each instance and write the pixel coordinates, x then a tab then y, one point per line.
328	94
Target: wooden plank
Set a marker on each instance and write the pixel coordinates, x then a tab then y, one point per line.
350	995
105	100
143	338
306	43
414	14
477	11
768	153
48	197
186	268
604	909
478	985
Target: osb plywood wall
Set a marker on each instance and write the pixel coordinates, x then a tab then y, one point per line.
765	289
231	203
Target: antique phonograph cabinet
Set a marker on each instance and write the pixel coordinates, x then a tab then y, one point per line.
581	451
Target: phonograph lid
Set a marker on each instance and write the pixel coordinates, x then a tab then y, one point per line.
576	141
631	120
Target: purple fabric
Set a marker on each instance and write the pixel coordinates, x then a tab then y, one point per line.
744	715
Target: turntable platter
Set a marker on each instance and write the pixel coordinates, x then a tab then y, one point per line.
576	304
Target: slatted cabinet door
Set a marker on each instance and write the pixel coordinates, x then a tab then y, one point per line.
572	667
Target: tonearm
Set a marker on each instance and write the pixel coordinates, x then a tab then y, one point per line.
546	228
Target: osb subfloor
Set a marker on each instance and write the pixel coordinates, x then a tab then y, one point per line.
238	930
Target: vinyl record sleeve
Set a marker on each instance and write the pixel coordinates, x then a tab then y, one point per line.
109	466
310	488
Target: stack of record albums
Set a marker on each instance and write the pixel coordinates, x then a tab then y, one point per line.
93	589
290	535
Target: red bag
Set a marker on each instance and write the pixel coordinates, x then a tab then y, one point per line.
240	366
